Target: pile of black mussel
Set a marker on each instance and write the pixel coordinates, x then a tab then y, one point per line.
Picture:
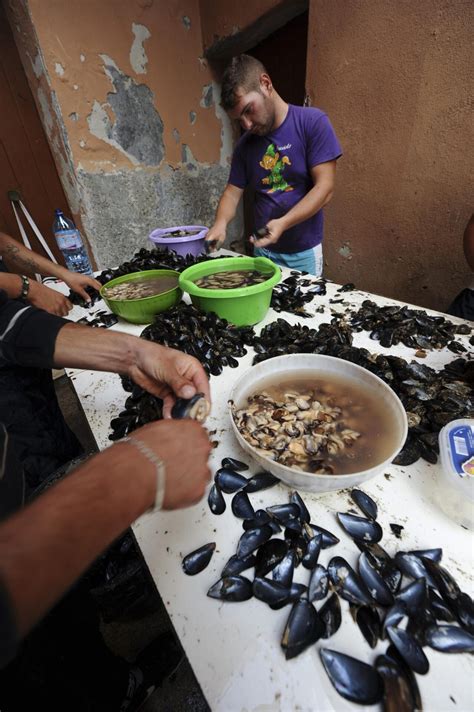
393	325
409	600
288	295
431	398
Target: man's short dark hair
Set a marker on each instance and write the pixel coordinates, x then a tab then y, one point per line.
243	72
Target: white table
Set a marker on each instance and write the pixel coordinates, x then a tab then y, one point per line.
234	648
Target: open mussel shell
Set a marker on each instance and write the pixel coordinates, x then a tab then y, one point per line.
261	481
284	570
296	499
365	503
269	555
360	527
383	563
197	560
351	678
318	583
231	463
302	629
236	565
241	506
231	588
313	549
441	579
330	616
229	481
440	610
252	539
449	639
410	677
196	408
409	649
369	623
328	538
268	591
397	694
216	500
347	583
374	582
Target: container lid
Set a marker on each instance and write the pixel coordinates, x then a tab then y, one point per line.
456	445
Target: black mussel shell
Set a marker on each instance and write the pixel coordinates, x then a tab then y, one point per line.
229	481
285	514
231	588
297	590
395	614
441	579
353	679
215	500
197	560
438	607
329	539
365	503
231	463
269	555
330	615
463	607
318	583
409	649
413	596
260	517
283	572
296	543
302	629
196	408
296	499
393	654
433	554
360	528
374	582
397	693
252	539
347	583
241	506
449	639
313	549
261	481
269	591
413	566
369	624
235	565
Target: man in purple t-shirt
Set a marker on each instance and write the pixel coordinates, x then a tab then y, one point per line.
288	155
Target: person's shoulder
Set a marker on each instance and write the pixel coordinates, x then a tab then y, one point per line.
308	115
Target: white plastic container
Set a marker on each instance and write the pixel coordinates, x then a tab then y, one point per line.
455	490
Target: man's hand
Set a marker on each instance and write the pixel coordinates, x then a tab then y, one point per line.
275	230
48	299
78	282
215	237
184	447
167	373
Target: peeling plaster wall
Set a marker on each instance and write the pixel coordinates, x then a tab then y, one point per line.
395	81
132	99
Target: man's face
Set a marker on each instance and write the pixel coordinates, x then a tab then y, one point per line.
254	110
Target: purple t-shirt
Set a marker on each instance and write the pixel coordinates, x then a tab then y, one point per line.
277	166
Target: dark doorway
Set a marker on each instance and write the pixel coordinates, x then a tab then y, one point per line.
26	163
283	54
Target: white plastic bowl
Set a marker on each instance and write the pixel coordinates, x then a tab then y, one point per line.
317	366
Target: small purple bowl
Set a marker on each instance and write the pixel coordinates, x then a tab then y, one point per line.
188	245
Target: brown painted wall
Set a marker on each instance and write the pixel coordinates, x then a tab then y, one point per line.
394	79
220	19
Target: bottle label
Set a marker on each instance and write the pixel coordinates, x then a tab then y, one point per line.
461	445
68	239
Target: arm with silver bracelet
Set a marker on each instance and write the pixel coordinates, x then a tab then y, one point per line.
160	469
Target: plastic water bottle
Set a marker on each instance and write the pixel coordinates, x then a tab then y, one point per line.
70	243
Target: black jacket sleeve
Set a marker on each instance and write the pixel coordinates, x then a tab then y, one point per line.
27	335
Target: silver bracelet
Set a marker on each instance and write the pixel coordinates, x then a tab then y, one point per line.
160	470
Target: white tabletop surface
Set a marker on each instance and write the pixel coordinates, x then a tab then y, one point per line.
234	648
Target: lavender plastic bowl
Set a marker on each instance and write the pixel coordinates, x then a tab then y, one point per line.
189	245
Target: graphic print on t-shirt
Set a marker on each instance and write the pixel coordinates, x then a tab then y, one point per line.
271	162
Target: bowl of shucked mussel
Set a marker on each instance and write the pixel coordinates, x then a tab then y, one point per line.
139	296
317	422
238	289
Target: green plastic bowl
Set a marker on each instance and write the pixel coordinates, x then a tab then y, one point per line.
142	311
244	306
